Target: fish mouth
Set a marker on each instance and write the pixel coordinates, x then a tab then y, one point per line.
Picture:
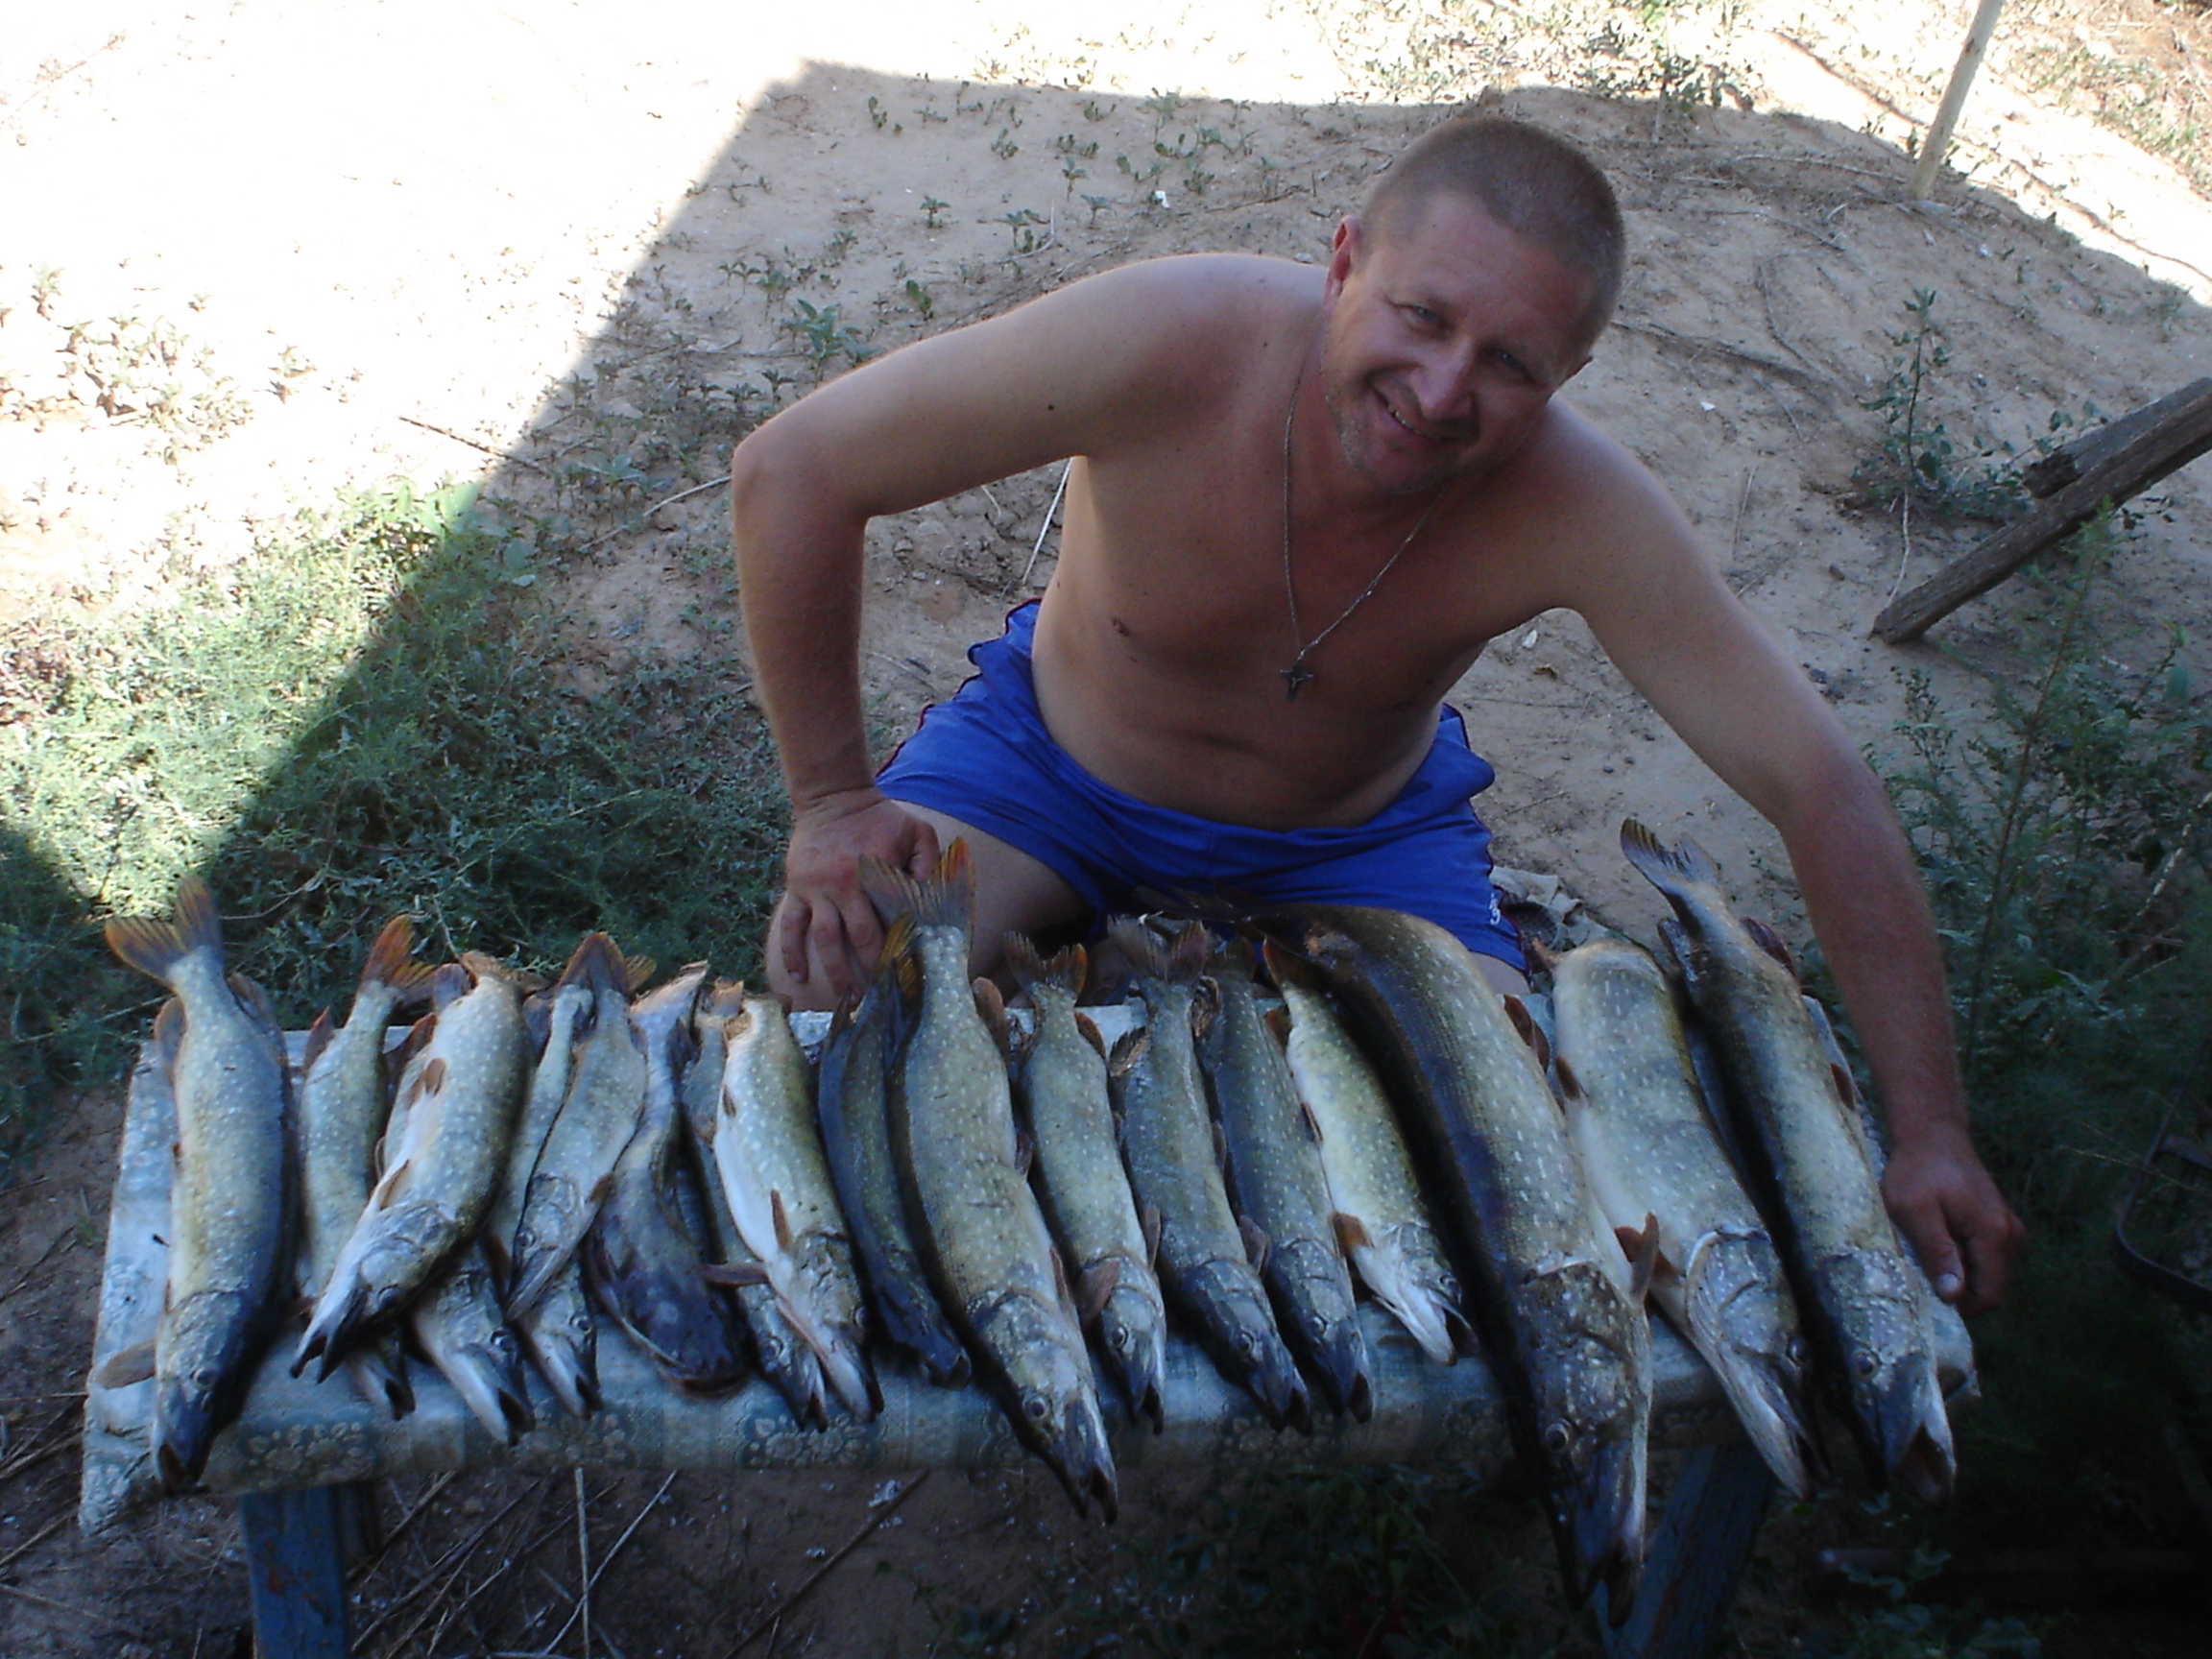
1602	1538
1143	1366
1342	1357
185	1428
494	1391
1772	1408
1283	1396
1085	1465
1916	1431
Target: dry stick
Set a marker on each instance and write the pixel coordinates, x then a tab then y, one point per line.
761	1625
607	1560
500	1574
455	1556
583	1564
680	496
59	1238
366	1570
1938	135
37	1538
483	448
505	1572
606	1643
70	1608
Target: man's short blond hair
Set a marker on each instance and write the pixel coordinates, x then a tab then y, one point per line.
1534	182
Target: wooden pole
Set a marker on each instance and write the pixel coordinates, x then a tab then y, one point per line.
1938	137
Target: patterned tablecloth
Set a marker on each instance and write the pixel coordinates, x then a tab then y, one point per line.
295	1433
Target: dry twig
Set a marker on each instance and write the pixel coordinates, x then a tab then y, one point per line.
760	1626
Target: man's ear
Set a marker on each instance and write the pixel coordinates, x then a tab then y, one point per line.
1344	252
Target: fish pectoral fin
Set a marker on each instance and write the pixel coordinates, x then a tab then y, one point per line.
1569	1085
430	1080
1311	1122
126	1366
735	1274
1149	1221
1350	1232
1099	1283
1643	1252
1091	1035
1257	1245
779	1219
1024	1152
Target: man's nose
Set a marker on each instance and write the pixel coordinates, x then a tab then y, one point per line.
1443	386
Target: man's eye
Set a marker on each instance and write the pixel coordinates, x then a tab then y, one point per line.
1422	316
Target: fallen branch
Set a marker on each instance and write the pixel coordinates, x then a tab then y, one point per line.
583	1607
775	1617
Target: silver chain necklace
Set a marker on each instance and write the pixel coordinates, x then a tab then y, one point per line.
1297	677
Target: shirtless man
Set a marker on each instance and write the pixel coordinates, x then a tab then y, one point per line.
1301	503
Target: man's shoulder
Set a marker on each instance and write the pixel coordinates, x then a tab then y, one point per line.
1225	294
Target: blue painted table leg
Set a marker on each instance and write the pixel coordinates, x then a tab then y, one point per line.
296	1570
1698	1556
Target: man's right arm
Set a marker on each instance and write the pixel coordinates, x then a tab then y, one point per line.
1068	374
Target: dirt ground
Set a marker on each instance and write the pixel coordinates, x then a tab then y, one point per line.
338	243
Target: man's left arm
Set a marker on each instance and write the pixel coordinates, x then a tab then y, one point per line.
1661	609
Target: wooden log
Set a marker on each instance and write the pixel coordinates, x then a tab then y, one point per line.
2181	432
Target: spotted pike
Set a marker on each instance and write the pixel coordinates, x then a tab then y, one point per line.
1639	1117
342	1096
787	1363
1174	1163
231	1198
768	1155
1060	1084
1862	1298
1379	1218
1276	1187
640	1260
1550	1286
852	1103
556	1330
599	1114
455	1110
977	1225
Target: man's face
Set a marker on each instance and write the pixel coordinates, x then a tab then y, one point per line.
1442	342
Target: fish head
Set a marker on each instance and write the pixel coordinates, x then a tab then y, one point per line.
1888	1370
486	1373
199	1379
1139	1357
1589	1385
1340	1354
1734	1294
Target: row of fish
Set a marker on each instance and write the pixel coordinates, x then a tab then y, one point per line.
983	1201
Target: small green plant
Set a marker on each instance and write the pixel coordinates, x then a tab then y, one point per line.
823	335
877	116
1918	464
933	211
919	297
1003	146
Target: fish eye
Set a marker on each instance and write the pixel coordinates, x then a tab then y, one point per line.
1034	1407
1865	1365
1796	1351
1117	1335
503	1341
1318	1325
207	1377
1557	1438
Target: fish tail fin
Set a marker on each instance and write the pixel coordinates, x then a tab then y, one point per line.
1232	959
1285	967
945	899
1065	970
598	962
1676	871
1139	948
1188	949
154	948
388	962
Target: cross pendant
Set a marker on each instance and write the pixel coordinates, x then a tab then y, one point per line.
1296	677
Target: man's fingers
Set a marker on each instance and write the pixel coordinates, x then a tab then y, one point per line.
791	919
922	862
1990	1244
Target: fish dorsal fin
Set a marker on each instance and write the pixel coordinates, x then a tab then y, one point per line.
1258	1246
448	985
1060	1287
1128	1050
1285	967
1099	1283
1220	1142
735	1274
1311	1122
253	999
1524	1023
1643	1252
1569	1085
779	1219
1089	1027
1277	1020
1846	1086
1149	1221
1773	943
320	1032
991	1009
168	1032
1350	1232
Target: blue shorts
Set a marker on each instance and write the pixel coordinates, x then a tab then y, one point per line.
985	759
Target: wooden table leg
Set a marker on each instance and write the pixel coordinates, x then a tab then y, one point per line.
296	1572
1699	1552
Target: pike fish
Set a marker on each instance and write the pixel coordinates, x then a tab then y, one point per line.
557	1330
1276	1186
457	1324
768	1155
455	1110
1379	1216
978	1226
1639	1117
852	1102
599	1114
640	1259
1060	1082
1174	1165
342	1096
231	1207
1862	1295
1552	1294
787	1363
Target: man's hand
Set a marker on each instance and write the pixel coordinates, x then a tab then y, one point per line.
825	939
1952	1215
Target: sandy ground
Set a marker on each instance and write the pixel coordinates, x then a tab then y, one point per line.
335	243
